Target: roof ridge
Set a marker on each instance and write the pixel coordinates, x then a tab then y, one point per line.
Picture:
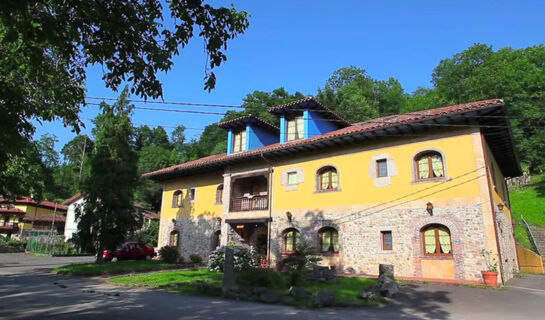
360	127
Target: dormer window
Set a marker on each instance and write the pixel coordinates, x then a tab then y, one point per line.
239	141
295	128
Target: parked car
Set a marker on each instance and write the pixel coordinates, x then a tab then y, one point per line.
130	251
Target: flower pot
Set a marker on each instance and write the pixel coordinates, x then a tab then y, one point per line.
490	278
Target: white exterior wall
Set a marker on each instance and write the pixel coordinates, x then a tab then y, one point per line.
71	225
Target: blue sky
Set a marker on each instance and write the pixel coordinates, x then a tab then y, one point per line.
298	44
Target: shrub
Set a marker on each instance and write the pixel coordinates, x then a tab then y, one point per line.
169	254
301	262
256	277
243	258
195	258
150	234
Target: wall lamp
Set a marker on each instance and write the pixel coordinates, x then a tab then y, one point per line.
500	206
289	216
429	208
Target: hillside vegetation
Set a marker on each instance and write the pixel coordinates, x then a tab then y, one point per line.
528	202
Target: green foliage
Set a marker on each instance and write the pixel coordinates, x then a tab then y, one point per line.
45	47
108	214
357	97
301	262
169	254
195	258
150	234
528	202
96	269
56	247
160	279
516	75
259	277
243	258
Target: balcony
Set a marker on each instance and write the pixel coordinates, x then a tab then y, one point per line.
250	203
249	194
10	226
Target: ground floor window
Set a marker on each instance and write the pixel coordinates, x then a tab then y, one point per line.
386	240
436	239
174	239
292	238
329	240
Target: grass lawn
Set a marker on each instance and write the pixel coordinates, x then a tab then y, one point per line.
529	202
188	281
189	278
96	269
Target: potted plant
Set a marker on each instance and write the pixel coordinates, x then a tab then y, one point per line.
490	276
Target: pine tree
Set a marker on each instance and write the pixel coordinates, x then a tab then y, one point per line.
107	216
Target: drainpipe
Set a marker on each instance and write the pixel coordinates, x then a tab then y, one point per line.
270	208
487	168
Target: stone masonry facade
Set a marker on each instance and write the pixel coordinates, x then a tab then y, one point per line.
360	238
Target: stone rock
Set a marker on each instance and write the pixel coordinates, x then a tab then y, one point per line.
324	275
388	287
371	293
209	290
386	269
324	298
299	292
268	296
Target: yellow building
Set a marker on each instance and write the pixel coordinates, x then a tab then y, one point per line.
24	215
424	191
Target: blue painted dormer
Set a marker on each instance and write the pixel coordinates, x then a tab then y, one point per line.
306	118
247	133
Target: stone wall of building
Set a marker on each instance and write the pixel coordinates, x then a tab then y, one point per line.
361	243
508	249
196	235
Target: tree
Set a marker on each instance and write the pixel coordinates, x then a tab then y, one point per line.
516	75
108	214
77	149
46	45
357	97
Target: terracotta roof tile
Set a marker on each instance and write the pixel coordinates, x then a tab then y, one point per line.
45	218
366	126
249	118
316	103
30	201
72	199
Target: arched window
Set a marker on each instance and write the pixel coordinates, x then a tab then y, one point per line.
429	165
174	239
219	194
177	199
436	240
292	238
328	179
329	240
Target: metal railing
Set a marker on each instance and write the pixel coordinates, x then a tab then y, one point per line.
531	236
249	203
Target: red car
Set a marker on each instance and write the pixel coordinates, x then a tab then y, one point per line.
130	251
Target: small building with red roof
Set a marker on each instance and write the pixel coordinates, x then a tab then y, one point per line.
18	216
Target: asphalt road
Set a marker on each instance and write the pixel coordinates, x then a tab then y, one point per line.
28	291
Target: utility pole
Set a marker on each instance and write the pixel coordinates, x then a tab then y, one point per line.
53	222
82	156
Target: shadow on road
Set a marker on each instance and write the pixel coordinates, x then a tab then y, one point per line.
41	295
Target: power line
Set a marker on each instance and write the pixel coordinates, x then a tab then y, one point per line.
424	196
172	103
169	110
419	191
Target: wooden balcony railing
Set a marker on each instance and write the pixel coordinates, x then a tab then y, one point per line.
10	226
249	204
